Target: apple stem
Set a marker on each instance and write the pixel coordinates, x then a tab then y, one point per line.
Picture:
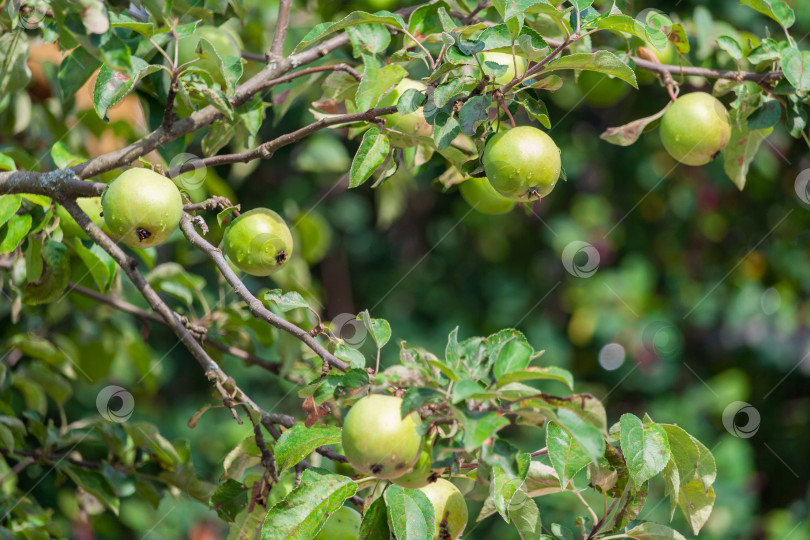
506	110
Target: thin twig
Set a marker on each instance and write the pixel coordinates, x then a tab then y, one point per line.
282	25
266	150
142	314
254	304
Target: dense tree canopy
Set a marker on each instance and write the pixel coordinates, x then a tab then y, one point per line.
245	250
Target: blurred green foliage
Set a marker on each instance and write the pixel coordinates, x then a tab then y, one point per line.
704	288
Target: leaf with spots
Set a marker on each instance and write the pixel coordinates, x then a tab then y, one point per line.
410	513
645	448
112	86
303	512
741	148
299	441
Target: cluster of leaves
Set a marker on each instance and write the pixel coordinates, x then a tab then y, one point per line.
467	398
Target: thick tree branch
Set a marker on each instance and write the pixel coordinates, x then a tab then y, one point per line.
61	182
254	304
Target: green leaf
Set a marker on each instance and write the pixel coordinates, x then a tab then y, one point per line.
14	231
348	354
696	502
684	451
425	19
352	19
566	455
645	448
672	485
375	522
590	438
369	38
706	466
581	4
410	101
9	204
299	441
13	58
514	355
97	265
304	511
75	69
229	499
373	150
7	164
123	20
629	133
741	148
63	157
446	91
473	112
230	67
534	373
623	23
500	38
220	132
730	45
410	513
525	515
537	110
602	61
415	397
796	67
94	483
446	128
285	301
777	10
112	86
379	329
478	429
653	531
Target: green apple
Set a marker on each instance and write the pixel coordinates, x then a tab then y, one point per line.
420	474
449	507
141	208
695	128
223	41
601	90
505	59
480	194
522	163
344	524
90	206
258	242
378	441
413	123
